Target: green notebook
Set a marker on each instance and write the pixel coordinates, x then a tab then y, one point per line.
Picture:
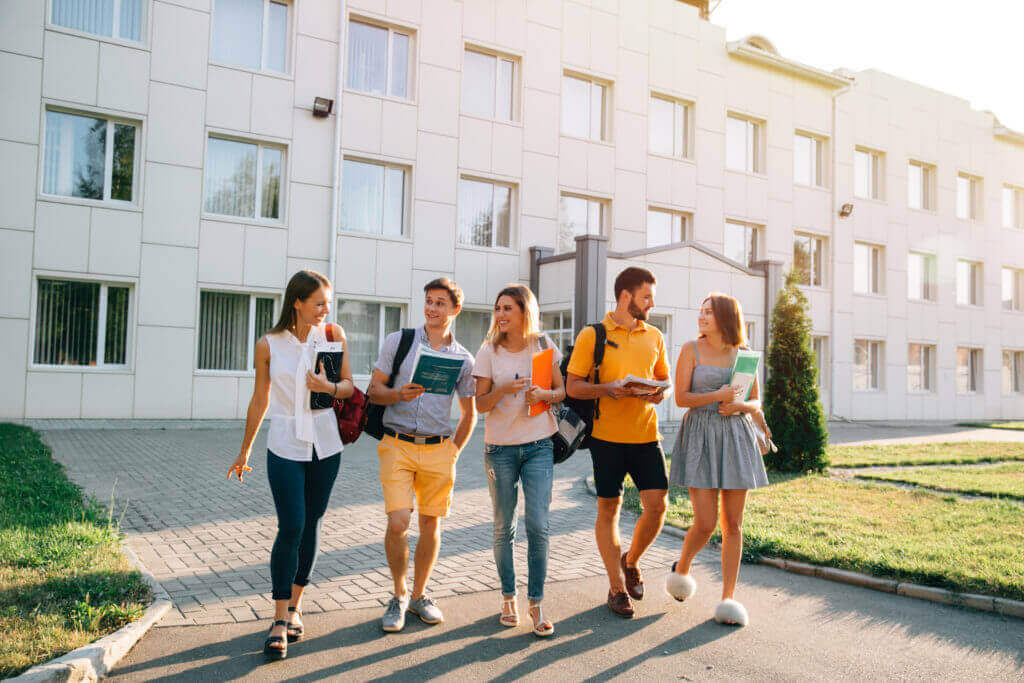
744	371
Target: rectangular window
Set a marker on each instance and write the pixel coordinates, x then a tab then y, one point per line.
867	269
968	283
379	60
488	86
584	103
867	174
230	324
251	33
665	227
373	198
1013	372
920	367
819	347
743	144
471	328
89	157
921	277
808	160
742	242
867	363
366	324
668	127
1013	207
1012	284
111	18
750	332
968	370
920	186
558	326
809	259
485	213
968	197
578	216
243	179
81	323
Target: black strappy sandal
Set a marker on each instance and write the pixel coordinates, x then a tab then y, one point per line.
295	631
270	649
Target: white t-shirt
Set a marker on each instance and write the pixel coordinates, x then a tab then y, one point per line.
509	423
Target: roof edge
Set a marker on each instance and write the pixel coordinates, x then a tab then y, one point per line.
741	48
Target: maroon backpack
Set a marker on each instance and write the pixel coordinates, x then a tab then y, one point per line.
350	412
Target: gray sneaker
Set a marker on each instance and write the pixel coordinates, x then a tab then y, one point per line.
394	616
427	610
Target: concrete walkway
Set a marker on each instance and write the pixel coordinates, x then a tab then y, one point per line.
207	541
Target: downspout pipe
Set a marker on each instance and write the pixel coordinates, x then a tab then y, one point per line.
339	91
835	253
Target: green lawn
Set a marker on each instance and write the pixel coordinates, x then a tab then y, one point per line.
921	537
925	454
1000	481
63	579
994	425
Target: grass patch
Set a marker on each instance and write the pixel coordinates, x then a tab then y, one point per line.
955	453
63	579
994	425
921	537
998	481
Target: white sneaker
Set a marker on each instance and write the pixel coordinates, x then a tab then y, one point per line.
680	586
427	610
394	616
731	612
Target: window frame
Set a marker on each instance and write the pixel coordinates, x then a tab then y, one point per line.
130	323
819	160
686	142
605	135
975	197
514	96
262	69
929	272
754	143
758	239
976	285
282	199
877	262
1016	369
407	198
823	242
144	35
565	315
821	359
604	229
1017	287
685	225
1016	203
409	32
876	365
403	313
250	361
928	354
513	234
876	167
927	189
975	370
108	155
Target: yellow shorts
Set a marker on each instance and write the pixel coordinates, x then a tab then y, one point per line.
411	472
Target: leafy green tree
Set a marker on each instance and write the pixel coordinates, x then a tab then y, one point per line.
792	406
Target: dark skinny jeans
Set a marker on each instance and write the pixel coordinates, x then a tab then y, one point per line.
301	491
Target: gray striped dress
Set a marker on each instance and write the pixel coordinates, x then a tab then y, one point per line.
712	451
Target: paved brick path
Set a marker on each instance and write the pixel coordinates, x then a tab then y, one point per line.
208	540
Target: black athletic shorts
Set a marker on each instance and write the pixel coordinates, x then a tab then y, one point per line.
643	462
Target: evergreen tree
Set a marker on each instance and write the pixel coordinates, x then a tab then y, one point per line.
792	406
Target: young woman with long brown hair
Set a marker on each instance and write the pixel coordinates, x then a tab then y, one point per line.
716	454
303	445
518	447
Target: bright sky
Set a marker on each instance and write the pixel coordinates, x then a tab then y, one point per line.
967	48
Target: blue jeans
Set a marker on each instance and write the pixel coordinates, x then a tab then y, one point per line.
505	466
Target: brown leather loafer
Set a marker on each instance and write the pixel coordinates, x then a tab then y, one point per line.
634	582
620	604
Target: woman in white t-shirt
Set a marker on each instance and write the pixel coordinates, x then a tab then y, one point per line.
518	447
303	445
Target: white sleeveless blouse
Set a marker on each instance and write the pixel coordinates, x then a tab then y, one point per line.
294	428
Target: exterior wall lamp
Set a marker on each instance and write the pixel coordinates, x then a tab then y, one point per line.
846	210
322	107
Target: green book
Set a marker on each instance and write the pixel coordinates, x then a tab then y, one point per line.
437	372
744	371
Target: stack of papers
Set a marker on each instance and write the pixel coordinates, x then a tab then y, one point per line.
436	371
644	386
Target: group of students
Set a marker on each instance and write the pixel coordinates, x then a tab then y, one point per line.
716	453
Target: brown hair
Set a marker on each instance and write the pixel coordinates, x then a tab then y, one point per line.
631	278
302	285
527	302
448	285
729	318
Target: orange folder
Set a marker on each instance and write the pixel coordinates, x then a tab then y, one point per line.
542	364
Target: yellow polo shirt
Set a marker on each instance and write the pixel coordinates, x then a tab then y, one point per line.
639	352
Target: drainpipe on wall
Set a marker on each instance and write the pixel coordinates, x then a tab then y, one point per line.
835	257
332	229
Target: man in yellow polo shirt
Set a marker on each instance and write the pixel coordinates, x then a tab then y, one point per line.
625	438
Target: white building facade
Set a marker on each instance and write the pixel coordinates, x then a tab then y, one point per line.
162	174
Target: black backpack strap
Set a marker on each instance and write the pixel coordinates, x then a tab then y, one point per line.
600	337
403	350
